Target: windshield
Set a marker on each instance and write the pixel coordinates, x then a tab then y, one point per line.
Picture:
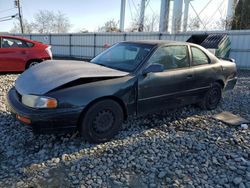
123	56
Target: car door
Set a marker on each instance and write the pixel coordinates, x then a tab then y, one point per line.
12	54
1	60
204	70
169	88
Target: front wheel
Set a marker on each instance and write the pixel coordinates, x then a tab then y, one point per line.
212	97
102	121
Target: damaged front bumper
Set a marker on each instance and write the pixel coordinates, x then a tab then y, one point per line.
43	120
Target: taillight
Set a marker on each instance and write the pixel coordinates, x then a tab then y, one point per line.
48	50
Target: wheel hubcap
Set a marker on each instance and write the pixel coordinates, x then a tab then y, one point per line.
214	97
103	121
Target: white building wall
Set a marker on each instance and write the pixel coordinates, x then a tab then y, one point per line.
88	45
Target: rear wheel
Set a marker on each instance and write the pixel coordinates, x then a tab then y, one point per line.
212	97
32	63
102	121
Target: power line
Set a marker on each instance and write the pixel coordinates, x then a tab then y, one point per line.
136	10
222	14
14	15
1	11
197	16
147	2
216	10
151	9
6	17
205	6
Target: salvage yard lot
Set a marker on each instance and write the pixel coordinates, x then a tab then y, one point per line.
184	147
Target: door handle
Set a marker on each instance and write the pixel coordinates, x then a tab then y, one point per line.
189	76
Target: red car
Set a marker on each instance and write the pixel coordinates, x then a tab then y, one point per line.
18	54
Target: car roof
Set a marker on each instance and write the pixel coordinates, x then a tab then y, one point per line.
157	42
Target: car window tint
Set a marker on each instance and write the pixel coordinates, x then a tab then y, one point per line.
171	57
198	57
13	43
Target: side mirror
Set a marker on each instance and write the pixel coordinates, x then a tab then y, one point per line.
156	67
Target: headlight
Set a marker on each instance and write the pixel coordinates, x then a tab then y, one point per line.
39	101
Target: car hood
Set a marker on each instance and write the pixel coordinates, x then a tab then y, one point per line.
50	75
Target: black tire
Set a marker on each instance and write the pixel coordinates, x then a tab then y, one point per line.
102	121
212	97
32	63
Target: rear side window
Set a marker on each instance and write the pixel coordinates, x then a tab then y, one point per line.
29	44
199	57
171	57
15	43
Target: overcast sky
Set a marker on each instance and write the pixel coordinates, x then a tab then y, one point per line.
90	14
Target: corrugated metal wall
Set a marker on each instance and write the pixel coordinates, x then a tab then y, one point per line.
88	45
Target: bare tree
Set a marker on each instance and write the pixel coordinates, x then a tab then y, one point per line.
27	27
194	24
110	26
151	23
197	24
61	23
223	24
49	22
45	22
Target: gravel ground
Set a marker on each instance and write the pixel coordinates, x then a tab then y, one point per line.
181	148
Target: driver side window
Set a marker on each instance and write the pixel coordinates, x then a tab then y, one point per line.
171	57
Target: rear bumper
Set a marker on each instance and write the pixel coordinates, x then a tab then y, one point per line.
44	120
230	84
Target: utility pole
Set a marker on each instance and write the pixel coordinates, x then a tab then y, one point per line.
17	4
177	15
164	16
186	10
122	15
142	14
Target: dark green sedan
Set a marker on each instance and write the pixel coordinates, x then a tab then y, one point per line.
129	78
